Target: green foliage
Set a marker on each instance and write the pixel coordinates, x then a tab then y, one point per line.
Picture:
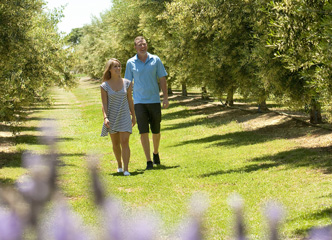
32	57
261	48
300	35
111	36
74	37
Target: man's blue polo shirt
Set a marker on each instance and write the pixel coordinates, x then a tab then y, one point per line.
145	77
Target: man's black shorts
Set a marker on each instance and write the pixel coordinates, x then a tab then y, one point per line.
148	114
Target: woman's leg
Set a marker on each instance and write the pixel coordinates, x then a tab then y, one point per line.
124	140
117	148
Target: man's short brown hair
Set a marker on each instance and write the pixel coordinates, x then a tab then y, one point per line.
139	38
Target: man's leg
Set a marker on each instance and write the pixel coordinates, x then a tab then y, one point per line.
155	110
142	117
146	145
156	141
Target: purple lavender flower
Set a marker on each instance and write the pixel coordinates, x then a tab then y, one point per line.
323	233
11	227
32	189
66	225
97	186
143	226
193	229
274	213
114	222
49	130
236	202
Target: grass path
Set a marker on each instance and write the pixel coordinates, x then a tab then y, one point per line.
205	147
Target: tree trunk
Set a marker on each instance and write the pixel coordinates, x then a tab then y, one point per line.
169	90
262	107
204	94
230	97
184	90
315	112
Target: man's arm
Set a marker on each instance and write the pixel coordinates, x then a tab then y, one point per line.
163	86
128	73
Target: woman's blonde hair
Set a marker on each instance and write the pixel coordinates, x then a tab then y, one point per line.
109	64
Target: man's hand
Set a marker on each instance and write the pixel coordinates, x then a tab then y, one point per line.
165	103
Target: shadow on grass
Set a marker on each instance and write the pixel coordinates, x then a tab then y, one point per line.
52	106
304	229
217	117
289	129
164	167
319	158
14	159
132	173
10	159
155	168
6	181
212	115
325	213
177	95
32	140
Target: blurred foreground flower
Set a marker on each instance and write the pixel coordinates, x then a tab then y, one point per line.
10	225
66	225
193	229
236	202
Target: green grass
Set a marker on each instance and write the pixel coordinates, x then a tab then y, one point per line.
204	147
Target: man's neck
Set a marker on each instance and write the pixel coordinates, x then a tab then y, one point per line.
142	57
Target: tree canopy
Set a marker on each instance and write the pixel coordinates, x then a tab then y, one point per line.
32	56
258	48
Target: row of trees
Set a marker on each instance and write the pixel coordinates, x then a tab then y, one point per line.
32	56
258	48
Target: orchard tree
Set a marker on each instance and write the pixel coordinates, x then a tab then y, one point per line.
110	36
91	52
32	57
209	44
231	48
74	37
184	47
123	19
300	36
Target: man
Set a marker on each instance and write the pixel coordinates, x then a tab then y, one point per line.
145	69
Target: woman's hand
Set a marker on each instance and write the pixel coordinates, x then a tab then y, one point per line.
107	122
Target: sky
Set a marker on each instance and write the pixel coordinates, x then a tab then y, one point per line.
78	12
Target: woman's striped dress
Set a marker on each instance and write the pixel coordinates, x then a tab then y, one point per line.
117	109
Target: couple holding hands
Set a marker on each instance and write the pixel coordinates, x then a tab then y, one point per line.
123	105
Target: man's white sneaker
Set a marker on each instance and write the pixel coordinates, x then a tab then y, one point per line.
120	170
126	173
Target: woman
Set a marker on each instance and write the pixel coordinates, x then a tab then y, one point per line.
118	112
